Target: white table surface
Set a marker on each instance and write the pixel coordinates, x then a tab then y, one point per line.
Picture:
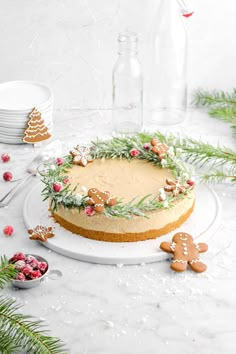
143	309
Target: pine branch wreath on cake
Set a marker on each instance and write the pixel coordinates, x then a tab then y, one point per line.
120	190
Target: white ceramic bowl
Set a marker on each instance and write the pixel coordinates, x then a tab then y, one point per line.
27	284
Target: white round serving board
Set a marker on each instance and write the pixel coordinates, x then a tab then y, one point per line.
202	225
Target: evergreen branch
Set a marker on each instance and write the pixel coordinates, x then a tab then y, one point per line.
139	208
221	105
7	271
227	114
24	332
201	154
7	344
195	151
217	176
206	99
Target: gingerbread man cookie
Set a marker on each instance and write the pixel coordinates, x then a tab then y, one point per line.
186	252
159	148
100	199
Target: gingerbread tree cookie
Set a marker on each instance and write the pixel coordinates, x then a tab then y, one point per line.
36	130
100	199
186	252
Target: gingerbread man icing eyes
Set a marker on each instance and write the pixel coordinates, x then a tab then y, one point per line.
100	199
186	252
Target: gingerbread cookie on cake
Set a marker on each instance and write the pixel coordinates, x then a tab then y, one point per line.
121	190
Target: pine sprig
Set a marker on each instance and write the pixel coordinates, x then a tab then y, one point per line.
7	271
202	154
196	151
119	148
220	104
7	344
24	332
205	98
141	207
218	176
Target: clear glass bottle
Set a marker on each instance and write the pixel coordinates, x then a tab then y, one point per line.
168	77
127	82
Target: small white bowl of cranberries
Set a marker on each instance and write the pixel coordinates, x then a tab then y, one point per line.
31	270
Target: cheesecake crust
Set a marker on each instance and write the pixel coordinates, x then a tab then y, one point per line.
123	237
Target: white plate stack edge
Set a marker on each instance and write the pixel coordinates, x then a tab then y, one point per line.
17	100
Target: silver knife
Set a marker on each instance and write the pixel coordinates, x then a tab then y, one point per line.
51	150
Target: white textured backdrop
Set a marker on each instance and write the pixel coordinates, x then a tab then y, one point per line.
71	44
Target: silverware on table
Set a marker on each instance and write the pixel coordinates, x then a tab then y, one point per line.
51	150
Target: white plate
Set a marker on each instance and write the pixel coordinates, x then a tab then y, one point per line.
202	225
13	134
12	114
18	124
23	95
11	139
17	129
23	115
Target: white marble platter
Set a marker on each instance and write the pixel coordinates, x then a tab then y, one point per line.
202	225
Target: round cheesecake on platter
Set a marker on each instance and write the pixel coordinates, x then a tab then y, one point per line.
121	190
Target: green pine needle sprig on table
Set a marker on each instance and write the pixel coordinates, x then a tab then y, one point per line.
7	271
218	176
220	104
20	332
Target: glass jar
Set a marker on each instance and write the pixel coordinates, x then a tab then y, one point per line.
167	99
127	86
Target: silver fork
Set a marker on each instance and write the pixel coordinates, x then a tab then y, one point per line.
53	149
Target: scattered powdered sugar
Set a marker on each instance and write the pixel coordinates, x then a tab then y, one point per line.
109	324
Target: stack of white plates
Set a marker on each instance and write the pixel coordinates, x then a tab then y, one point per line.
17	100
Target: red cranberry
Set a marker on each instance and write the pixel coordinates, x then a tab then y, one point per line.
20	276
57	187
59	161
35	274
7	176
19	256
5	157
42	266
8	230
27	269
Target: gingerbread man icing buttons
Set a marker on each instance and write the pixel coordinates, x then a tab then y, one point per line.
100	199
159	148
186	252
